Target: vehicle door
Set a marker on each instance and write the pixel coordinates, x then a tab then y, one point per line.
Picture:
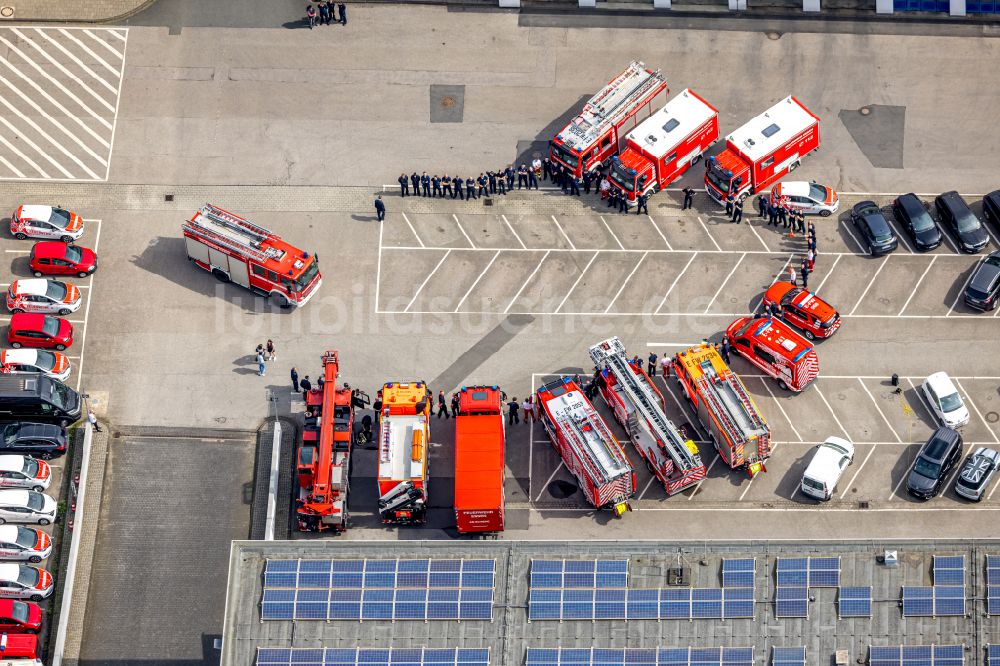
10	589
810	205
63	266
793	315
8	550
932	399
764	358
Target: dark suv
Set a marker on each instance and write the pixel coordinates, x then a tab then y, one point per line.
41	440
956	215
919	224
991	207
935	460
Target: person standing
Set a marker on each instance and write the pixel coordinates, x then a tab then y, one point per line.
261	368
665	366
512	408
415	181
738	211
613	197
483	183
546	169
522	176
791	275
532	179
493	181
470	189
783	214
725	349
587	177
311	15
729	205
324	13
805	274
772	214
529	410
436	186
269	348
502	182
306	386
509	172
574	185
458	182
641	205
761	206
379	208
563	177
651	364
425	182
811	258
92	420
442	405
404	185
454	405
446	187
688	198
623	204
343	12
802	222
598	180
295	381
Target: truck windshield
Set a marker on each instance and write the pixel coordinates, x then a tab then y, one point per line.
623	176
719	177
565	155
307	275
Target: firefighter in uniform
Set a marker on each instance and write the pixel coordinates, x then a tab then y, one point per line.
436	183
425	181
493	181
532	179
613	198
623	205
470	189
502	182
729	205
640	206
546	169
415	180
574	187
522	176
509	173
483	183
404	185
446	186
457	180
762	206
587	177
738	211
688	197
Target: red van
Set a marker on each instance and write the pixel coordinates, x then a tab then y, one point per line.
771	345
803	309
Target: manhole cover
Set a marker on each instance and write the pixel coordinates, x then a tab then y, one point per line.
992	417
447	102
562	489
865	111
773	36
6	12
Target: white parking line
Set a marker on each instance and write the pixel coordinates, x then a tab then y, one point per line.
652	478
722	286
864	462
870	283
960	293
20	135
552	476
978	413
104	63
828	274
426	280
750	482
509	226
413	229
613	235
777	276
710	236
23	156
917	285
82	65
460	228
947	237
674	283
559	226
58	144
847	228
478	278
575	283
629	277
17	251
86	314
749	224
118	54
992	237
880	412
17	172
708	470
826	402
657	227
378	267
781	408
695	425
518	294
899	234
117	34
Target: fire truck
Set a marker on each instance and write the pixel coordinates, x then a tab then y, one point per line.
664	146
236	250
590	140
724	407
775	348
589	450
762	151
404	435
479	460
323	460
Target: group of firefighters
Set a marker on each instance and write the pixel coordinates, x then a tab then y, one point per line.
488	182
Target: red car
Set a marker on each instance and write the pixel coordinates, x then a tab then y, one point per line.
28	329
804	310
55	258
20	617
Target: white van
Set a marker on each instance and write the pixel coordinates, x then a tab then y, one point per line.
832	457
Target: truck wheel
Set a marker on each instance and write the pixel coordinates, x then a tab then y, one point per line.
695	160
824	213
809	335
66	239
219	275
280	299
43	521
782	385
20	310
20	236
793	166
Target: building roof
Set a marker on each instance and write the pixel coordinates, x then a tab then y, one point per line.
667	128
763	134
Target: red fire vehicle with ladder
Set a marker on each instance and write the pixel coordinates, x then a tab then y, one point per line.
323	461
236	250
724	407
638	407
590	140
403	440
589	450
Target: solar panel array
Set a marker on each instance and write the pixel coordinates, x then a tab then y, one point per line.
947	595
739	572
949	569
993	655
373	657
854	602
916	655
720	656
993	585
579	573
788	656
427	589
795	575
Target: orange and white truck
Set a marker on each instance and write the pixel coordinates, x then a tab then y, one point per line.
479	460
724	407
403	439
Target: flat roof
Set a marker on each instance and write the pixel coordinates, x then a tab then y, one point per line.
682	115
761	135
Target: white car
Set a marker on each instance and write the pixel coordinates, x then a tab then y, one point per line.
832	457
809	198
46	222
33	362
24	543
26	506
944	400
44	296
18	471
19	581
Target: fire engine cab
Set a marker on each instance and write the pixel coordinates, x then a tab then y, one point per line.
762	151
236	250
664	146
404	435
590	140
775	348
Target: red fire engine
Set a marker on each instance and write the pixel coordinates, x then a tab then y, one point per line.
404	436
775	348
589	450
323	461
724	407
479	464
663	147
762	151
236	250
638	406
598	133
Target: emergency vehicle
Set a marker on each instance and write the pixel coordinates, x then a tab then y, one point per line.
323	461
638	406
590	140
664	146
44	296
236	250
45	222
34	361
724	407
775	348
479	460
589	450
803	309
17	471
24	543
404	435
18	646
762	151
20	581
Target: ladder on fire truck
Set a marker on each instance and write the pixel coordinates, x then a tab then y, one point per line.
234	232
642	397
606	107
601	461
728	399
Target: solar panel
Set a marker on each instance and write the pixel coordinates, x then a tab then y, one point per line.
854	602
993	584
949	600
579	573
824	571
373	656
322	574
916	655
791	602
724	656
935	601
949	570
918	601
738	572
640	604
993	655
788	656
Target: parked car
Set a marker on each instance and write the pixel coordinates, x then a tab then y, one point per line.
39	331
37	398
945	401
876	234
19	650
809	198
44	296
828	463
20	617
976	473
803	309
956	215
46	222
19	471
936	458
33	362
51	258
991	207
917	221
26	506
24	544
43	440
20	581
984	285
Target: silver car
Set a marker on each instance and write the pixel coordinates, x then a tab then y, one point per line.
976	473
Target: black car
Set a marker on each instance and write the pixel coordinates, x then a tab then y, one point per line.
984	285
913	215
956	215
41	440
991	207
935	460
875	231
